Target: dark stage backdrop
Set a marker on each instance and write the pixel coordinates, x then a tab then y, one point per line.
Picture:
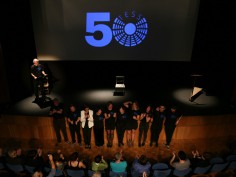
114	29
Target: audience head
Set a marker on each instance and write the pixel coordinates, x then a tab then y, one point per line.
12	153
118	156
74	156
97	174
142	160
182	155
98	159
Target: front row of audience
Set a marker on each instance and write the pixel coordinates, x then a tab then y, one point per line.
140	166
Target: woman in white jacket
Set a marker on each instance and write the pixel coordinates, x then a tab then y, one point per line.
87	124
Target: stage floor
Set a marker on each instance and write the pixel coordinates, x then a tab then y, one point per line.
147	82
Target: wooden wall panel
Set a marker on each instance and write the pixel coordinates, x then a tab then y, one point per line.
190	127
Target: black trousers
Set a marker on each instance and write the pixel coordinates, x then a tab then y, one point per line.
120	132
169	130
75	129
143	129
155	132
87	135
60	125
99	135
39	87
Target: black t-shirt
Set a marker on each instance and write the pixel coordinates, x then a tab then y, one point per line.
98	120
37	70
172	117
73	116
56	115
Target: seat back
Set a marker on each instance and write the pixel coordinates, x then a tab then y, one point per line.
232	165
75	173
216	160
160	166
201	170
117	174
2	166
58	171
29	169
230	158
218	167
161	173
120	79
180	173
15	168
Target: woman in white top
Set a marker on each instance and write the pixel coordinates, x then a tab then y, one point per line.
87	124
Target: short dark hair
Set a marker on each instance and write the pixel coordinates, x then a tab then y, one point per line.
143	160
182	155
98	158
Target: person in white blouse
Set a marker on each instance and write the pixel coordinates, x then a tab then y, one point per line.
87	124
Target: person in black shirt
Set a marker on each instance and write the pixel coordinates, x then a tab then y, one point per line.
99	127
59	124
38	74
172	119
121	121
73	119
157	124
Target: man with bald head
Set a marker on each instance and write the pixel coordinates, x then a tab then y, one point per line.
38	74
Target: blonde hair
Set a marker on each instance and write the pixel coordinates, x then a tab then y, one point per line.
97	174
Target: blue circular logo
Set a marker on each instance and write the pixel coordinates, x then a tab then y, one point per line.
130	29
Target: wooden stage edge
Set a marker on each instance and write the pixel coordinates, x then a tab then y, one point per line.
206	133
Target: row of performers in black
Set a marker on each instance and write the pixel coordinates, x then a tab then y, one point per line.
127	118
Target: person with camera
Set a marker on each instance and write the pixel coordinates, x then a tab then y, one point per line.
38	74
38	172
99	164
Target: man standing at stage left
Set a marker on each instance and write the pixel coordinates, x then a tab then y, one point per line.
38	74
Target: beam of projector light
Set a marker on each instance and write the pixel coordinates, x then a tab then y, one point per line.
182	95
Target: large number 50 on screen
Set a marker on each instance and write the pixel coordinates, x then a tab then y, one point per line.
93	25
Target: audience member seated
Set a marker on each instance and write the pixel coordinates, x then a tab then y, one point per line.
52	173
119	164
34	158
140	166
183	162
12	158
99	164
199	160
74	163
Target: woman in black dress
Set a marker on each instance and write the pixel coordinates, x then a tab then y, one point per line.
132	121
110	121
